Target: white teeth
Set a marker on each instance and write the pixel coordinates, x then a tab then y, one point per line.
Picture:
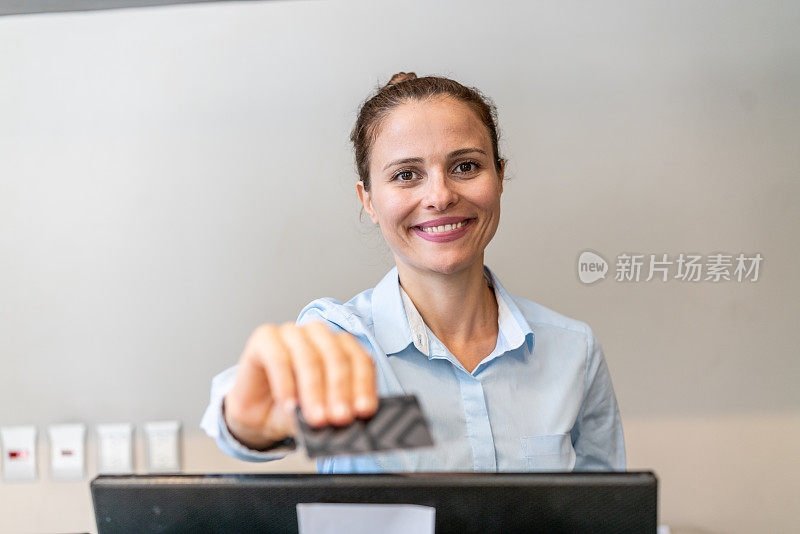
445	228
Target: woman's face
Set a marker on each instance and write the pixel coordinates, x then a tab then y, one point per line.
433	160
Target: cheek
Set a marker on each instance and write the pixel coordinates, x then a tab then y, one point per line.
396	210
487	197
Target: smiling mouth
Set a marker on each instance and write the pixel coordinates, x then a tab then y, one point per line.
443	229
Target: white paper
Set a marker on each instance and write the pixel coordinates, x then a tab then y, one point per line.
330	518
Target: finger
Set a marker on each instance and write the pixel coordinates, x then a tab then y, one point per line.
365	392
275	357
308	372
290	418
338	377
252	384
281	422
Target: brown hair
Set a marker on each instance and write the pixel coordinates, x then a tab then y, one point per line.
405	87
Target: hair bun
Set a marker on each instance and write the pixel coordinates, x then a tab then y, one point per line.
401	77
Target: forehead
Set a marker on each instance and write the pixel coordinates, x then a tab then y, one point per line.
428	128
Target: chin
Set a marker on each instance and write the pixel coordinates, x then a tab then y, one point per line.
448	266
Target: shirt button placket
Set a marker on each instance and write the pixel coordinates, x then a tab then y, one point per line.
479	431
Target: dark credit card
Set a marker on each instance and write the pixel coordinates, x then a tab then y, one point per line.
397	424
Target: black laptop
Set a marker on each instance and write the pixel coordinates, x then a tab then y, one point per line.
464	503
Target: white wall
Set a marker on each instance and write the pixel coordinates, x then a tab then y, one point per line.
172	177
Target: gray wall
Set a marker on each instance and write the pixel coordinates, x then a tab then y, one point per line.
172	177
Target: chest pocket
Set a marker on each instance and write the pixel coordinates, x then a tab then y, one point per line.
548	453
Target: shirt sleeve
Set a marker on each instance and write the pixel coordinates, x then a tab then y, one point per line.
597	434
316	310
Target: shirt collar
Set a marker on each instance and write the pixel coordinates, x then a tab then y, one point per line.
398	323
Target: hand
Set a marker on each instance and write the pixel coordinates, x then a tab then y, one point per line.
329	375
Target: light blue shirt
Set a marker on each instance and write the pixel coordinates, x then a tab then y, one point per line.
541	401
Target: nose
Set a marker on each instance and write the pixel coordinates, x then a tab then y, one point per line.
439	192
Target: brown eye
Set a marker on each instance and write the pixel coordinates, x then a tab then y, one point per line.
466	167
404	176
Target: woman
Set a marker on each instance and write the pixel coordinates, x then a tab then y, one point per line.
507	384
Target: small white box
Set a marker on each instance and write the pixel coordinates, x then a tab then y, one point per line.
163	446
115	449
67	451
19	453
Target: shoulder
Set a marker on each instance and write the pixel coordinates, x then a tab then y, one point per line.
353	315
539	316
561	336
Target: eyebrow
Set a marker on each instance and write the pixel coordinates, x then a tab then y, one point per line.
451	155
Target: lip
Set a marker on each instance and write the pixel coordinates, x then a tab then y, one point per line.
440	222
442	237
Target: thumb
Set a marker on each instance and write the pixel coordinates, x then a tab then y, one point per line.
282	419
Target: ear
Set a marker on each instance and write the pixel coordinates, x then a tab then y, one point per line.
502	174
366	200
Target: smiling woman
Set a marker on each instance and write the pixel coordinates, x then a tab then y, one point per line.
507	384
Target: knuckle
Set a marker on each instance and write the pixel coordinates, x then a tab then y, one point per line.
288	327
335	357
263	332
266	345
316	325
299	344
